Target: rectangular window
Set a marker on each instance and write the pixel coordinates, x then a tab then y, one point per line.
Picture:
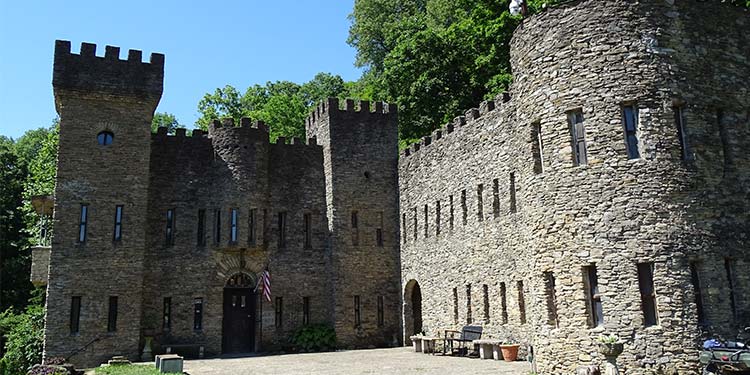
82	223
381	311
537	147
496	198
682	135
217	226
463	206
355	228
278	311
521	303
468	304
169	232
379	230
112	315
513	207
725	137
403	225
282	230
75	314
117	236
233	218
578	137
437	218
198	314
648	295
594	300
357	313
167	314
695	278
729	267
630	123
551	297
305	310
426	226
504	303
450	214
252	237
201	227
480	202
308	230
455	305
486	303
416	222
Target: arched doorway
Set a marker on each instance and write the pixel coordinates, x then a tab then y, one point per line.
238	331
412	310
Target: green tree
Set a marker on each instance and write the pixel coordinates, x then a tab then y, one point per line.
12	238
24	335
164	119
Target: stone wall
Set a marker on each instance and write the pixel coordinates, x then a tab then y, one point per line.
614	212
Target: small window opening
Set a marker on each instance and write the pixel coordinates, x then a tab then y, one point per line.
112	314
426	226
355	228
217	226
680	120
578	137
117	235
437	218
726	145
480	202
468	304
278	310
403	225
252	236
416	222
486	303
630	123
379	230
305	310
496	198
381	311
201	227
537	147
234	218
549	289
521	303
83	223
75	314
282	230
367	175
455	305
169	232
105	138
513	207
463	206
729	267
198	314
167	314
593	298
503	303
450	215
308	230
357	312
696	281
648	294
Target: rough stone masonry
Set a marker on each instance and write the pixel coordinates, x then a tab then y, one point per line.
606	193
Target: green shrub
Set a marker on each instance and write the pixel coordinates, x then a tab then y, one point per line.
24	334
314	338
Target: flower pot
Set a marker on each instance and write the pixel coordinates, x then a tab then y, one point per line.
611	349
510	352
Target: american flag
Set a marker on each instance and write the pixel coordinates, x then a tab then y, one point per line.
265	282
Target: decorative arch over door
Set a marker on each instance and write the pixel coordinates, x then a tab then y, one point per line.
412	310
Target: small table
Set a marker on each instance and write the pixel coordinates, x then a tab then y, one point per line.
428	344
417	342
488	348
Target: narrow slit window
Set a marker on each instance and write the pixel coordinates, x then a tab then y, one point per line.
282	230
252	236
169	232
682	135
403	225
729	267
486	303
648	294
75	314
437	218
305	310
551	299
513	206
521	303
426	221
83	223
357	312
630	123
198	314
416	224
463	206
468	304
578	137
201	227
381	311
480	202
117	235
593	298
379	230
217	226
537	147
112	314
726	146
455	305
450	214
496	198
355	228
233	219
308	230
278	311
695	278
504	303
167	314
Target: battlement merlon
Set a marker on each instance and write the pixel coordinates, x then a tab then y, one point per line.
364	108
88	74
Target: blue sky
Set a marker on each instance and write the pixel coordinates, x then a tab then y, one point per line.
208	44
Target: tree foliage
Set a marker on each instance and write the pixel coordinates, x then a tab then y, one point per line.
166	120
283	105
24	333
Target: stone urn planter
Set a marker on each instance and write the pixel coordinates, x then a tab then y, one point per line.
611	349
510	352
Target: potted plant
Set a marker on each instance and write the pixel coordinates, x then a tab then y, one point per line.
610	345
509	350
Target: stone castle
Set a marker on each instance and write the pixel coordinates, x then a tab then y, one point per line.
606	193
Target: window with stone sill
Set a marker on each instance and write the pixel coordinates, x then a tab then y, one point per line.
83	223
169	230
680	120
233	225
355	228
112	314
167	314
593	298
630	126
201	240
698	291
480	202
75	315
117	235
578	137
648	294
357	312
503	303
537	147
198	314
305	310
521	302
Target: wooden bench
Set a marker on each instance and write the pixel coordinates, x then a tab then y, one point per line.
467	334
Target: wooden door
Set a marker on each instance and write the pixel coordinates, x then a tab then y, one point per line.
239	320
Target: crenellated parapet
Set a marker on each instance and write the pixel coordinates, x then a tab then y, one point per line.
350	111
89	74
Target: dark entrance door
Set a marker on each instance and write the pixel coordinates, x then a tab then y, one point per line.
239	319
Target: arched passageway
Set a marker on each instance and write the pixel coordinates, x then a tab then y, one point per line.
412	310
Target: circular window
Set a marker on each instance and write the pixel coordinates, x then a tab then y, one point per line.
105	138
367	175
